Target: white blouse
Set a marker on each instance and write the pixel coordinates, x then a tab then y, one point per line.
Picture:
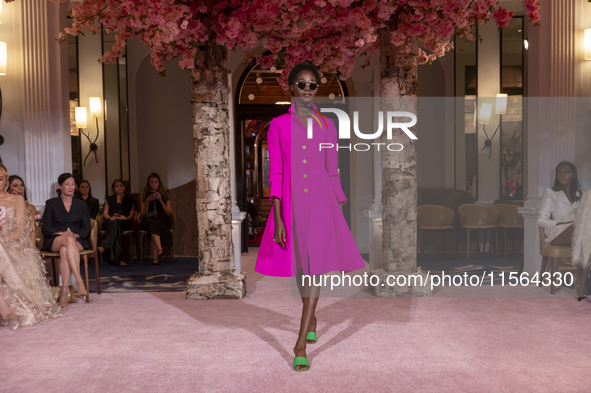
554	208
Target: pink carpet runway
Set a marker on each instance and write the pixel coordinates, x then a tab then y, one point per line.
160	342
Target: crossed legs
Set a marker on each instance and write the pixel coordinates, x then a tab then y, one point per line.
156	246
69	250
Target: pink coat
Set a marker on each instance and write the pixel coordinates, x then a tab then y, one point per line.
307	181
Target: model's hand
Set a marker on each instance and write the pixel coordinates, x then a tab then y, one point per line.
280	233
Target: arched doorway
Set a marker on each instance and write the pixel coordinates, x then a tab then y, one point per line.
258	99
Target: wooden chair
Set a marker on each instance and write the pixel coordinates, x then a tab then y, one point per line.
478	217
434	218
130	234
49	265
141	234
84	254
509	218
554	254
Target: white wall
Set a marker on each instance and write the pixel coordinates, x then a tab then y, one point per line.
164	133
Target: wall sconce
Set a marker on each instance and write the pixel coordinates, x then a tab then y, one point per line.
3	58
1	11
587	41
96	112
484	119
81	117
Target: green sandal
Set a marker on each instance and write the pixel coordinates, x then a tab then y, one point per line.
300	361
312	337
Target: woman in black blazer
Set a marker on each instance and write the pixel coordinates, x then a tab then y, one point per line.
66	226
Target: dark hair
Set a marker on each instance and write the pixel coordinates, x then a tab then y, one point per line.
15	177
574	185
61	179
147	190
118	181
78	195
299	68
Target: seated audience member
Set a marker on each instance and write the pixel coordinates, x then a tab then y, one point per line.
85	193
25	296
257	220
16	186
155	211
118	212
66	227
559	205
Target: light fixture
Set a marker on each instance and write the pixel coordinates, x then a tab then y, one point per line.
81	117
95	111
485	111
484	119
3	58
95	107
273	69
251	97
587	41
501	106
259	80
282	103
526	44
323	80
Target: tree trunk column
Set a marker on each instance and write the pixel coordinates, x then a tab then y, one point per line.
217	278
399	183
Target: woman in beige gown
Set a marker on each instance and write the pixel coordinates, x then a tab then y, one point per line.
25	296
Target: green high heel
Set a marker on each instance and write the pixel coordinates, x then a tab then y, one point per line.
300	361
312	337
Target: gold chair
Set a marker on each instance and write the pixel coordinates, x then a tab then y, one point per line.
84	254
141	233
100	220
49	265
434	218
554	254
509	218
478	217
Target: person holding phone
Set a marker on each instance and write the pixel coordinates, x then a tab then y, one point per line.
118	212
25	296
66	227
155	212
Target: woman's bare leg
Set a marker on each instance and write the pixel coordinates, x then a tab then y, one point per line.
156	245
565	238
73	249
310	294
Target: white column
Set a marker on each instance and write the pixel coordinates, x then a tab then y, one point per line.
237	215
551	134
45	92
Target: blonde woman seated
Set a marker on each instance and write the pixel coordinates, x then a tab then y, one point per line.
559	205
66	226
25	296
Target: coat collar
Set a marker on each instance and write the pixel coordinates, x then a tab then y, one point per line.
292	108
562	196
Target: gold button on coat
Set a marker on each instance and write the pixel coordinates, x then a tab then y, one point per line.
305	190
305	175
303	147
304	161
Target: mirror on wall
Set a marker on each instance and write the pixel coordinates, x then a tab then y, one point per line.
466	137
512	84
116	116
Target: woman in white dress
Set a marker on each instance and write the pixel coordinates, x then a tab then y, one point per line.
25	296
559	205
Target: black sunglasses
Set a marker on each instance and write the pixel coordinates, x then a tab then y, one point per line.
302	85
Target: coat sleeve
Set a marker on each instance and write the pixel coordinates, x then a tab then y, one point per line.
332	163
47	222
546	210
275	161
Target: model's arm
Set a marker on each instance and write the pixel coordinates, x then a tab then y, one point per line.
332	164
276	181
